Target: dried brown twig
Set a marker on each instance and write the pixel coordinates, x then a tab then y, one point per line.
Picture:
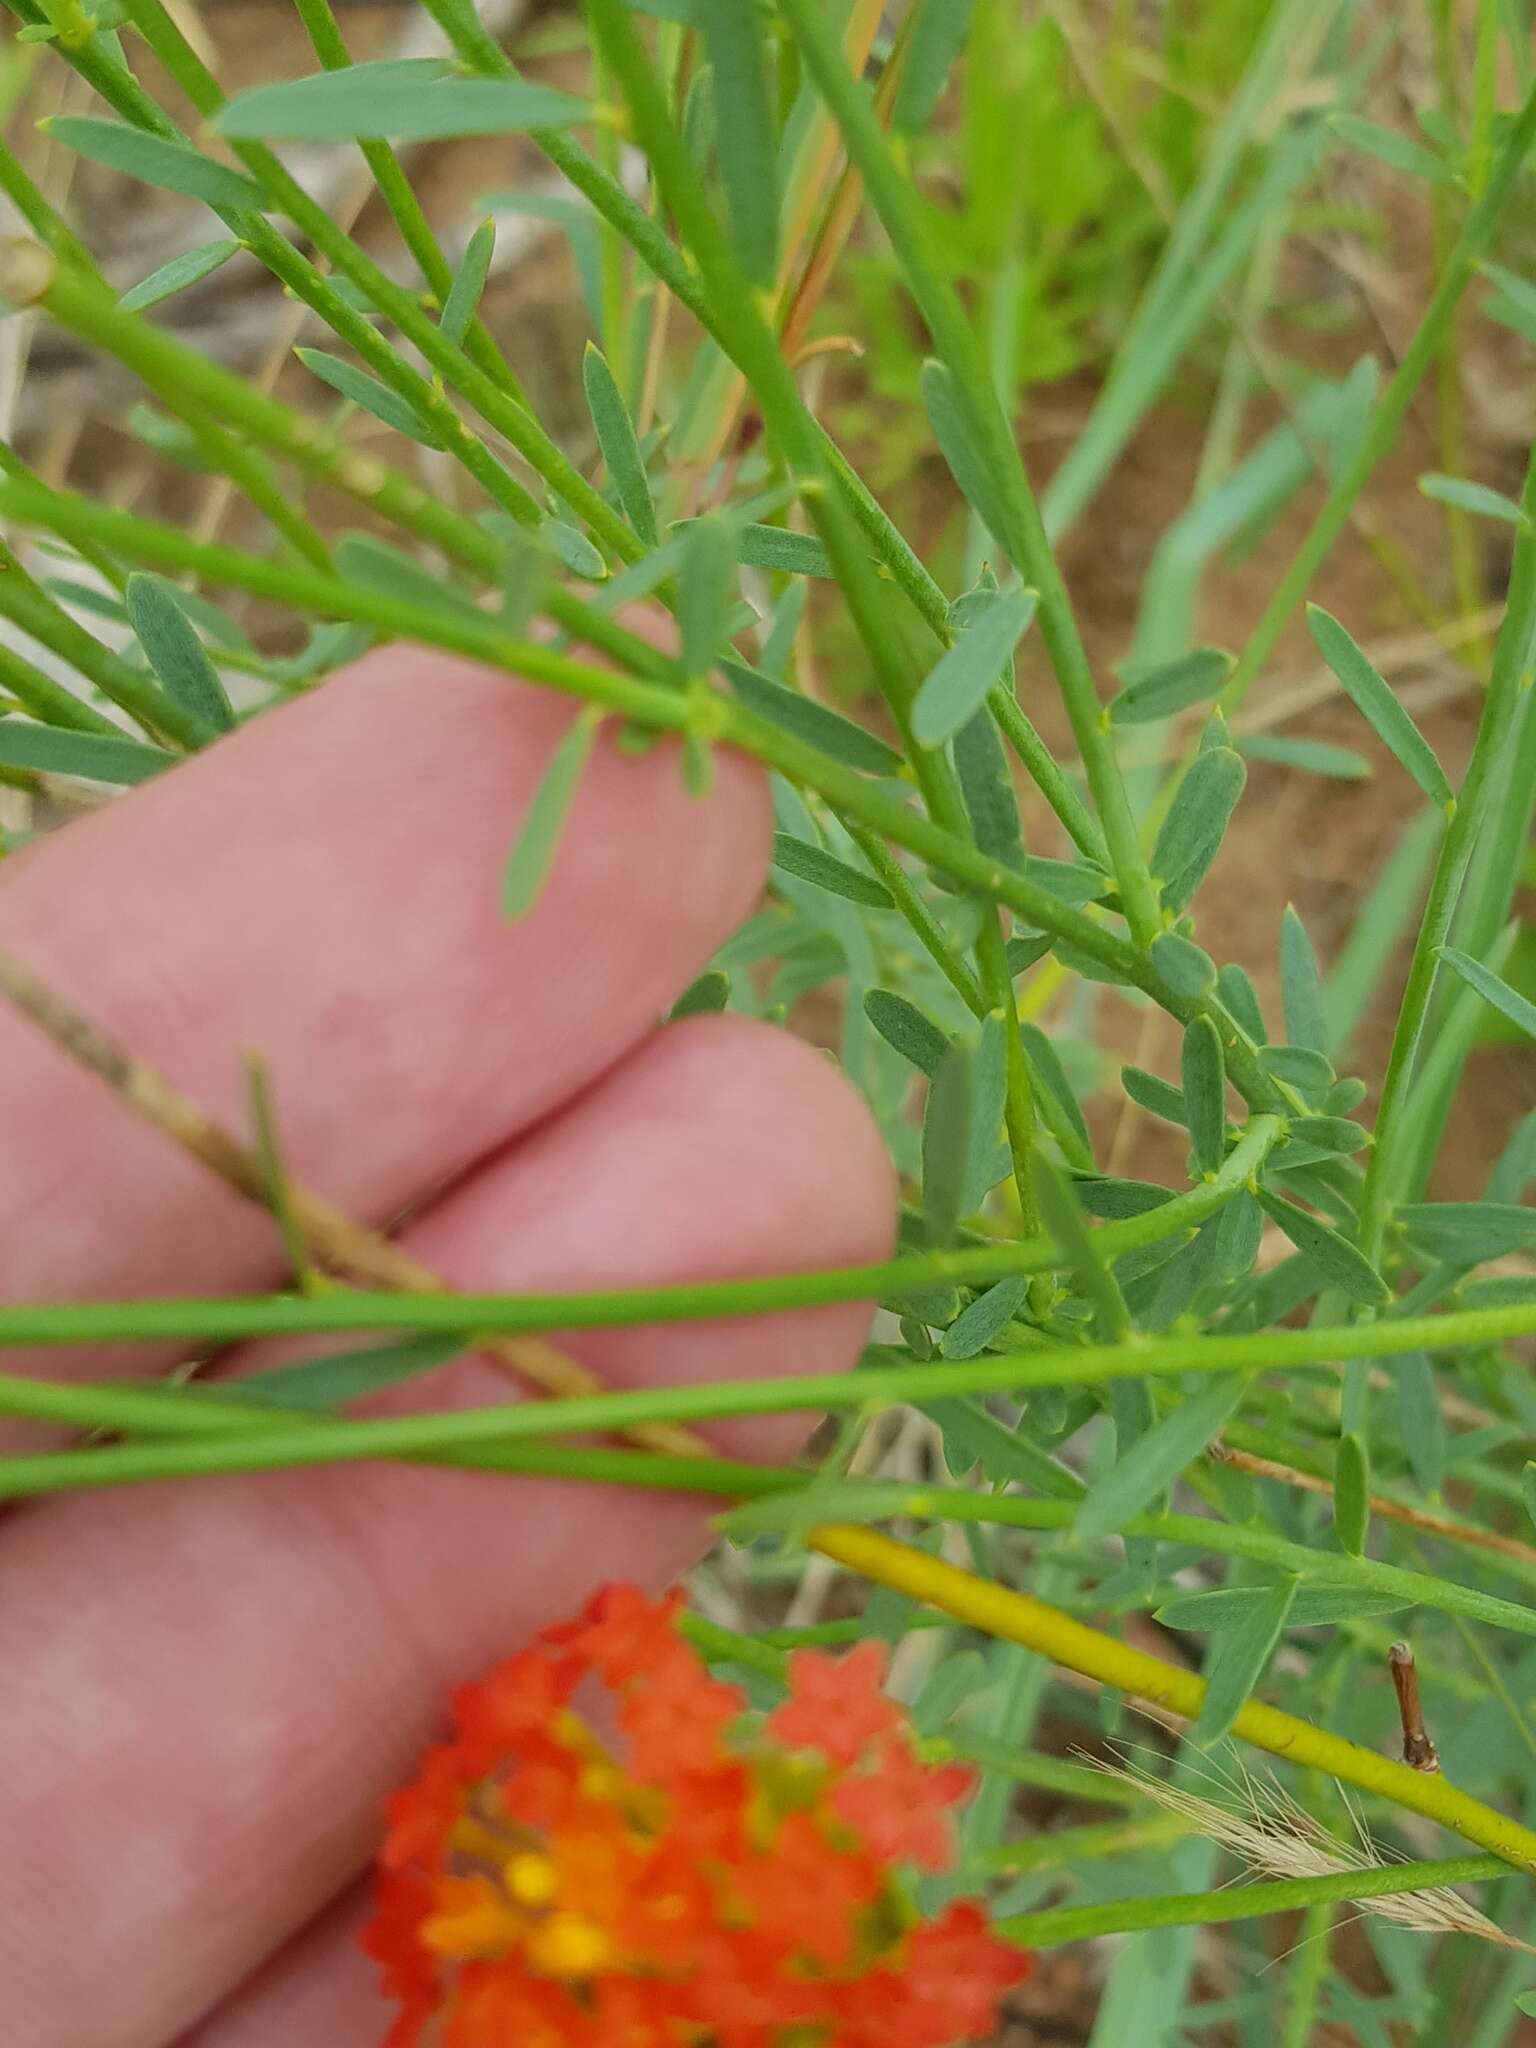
348	1249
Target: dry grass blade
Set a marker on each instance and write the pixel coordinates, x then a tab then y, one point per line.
336	1242
1259	1822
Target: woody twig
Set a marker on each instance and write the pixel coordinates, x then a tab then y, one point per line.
345	1248
1418	1750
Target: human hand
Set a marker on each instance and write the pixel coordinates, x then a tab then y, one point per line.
212	1687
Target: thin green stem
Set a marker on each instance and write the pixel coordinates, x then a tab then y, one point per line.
1391	407
707	715
895	200
1511	678
228	1320
1246	1902
398	194
494	404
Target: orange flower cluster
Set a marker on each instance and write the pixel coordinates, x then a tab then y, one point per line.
729	1884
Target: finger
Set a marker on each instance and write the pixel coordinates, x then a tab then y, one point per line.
318	1989
249	1665
323	886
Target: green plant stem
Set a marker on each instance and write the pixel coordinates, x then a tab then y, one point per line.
710	716
79	301
398	194
895	200
1063	1847
1387	417
46	699
1510	679
1245	1902
126	97
93	1322
494	404
216	1321
1020	1618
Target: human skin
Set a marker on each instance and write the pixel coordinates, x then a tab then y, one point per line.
211	1686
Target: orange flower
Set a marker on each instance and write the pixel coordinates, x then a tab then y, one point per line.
722	1882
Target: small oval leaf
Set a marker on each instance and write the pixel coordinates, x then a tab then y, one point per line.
533	853
814	864
174	651
1204	1075
1352	1493
1375	700
958	685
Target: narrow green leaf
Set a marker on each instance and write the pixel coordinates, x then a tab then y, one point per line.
1155	1460
184	270
704	997
1341	1264
1390	147
174	652
1515	1169
94	756
1470	1231
989	1158
947	1126
533	854
706	590
1158	1097
373	563
974	1437
986	785
1380	924
395	100
1159	690
1420	1422
935	40
958	685
1470	497
1182	967
153	160
1050	1074
903	1025
1064	1219
1301	990
1102	1195
1528	1488
1240	1000
1197	823
1024	950
746	146
1508	1001
1312	757
1311	1073
332	1381
621	451
366	391
826	871
1204	1076
826	730
571	547
1239	1231
1313	1607
776	547
1375	700
1070	880
952	431
1240	1661
988	1315
463	300
1352	1493
1334	1134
